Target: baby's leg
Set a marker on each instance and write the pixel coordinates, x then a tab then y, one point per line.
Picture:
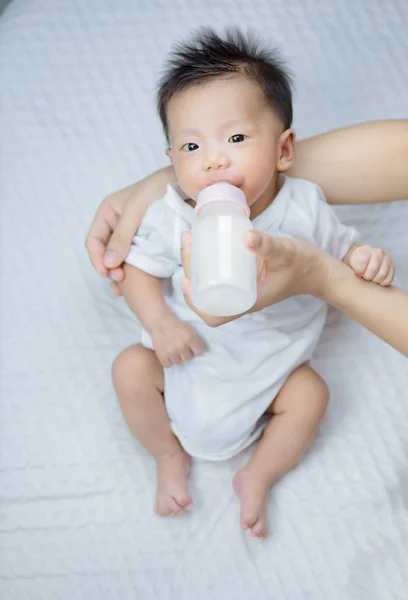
297	413
139	383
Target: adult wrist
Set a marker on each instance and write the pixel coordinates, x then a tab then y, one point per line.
335	277
312	269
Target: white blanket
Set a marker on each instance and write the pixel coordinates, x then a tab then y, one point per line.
78	121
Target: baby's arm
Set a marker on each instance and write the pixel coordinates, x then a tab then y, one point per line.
173	340
370	263
341	241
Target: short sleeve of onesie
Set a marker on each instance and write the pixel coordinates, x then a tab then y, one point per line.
328	232
152	249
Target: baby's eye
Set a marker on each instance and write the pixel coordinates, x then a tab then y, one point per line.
190	147
235	139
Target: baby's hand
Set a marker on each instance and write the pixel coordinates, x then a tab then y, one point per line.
175	341
372	264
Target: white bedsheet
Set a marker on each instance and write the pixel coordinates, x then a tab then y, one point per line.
78	121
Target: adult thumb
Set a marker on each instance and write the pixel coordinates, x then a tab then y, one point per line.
186	288
121	239
260	243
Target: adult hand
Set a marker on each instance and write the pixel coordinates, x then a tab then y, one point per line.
210	320
111	233
117	220
287	267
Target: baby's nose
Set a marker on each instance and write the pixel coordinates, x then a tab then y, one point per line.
216	161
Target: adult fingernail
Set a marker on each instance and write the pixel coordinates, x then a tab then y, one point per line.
253	239
110	258
183	238
184	286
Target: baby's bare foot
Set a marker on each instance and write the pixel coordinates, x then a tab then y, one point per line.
252	492
172	497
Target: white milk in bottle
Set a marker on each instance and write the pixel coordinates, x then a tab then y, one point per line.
223	270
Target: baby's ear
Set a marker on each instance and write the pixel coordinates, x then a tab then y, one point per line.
168	153
286	150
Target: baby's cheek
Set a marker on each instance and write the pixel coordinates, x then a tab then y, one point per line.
191	189
188	178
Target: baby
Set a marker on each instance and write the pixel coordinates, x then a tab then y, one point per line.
206	387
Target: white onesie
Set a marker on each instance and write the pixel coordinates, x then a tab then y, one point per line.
216	401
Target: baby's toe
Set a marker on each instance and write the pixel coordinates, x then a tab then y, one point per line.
248	521
161	508
174	507
260	529
184	500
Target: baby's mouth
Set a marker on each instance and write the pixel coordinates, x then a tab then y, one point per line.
235	181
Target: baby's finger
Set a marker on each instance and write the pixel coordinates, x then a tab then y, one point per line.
376	260
383	270
390	277
175	358
186	354
360	260
164	360
197	346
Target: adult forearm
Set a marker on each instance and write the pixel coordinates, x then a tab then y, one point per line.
383	311
157	182
147	190
363	163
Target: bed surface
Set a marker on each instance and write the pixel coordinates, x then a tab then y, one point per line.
77	121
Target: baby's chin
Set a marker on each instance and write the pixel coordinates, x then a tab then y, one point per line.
251	196
187	190
265	191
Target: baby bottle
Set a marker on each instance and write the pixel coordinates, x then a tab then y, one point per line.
223	270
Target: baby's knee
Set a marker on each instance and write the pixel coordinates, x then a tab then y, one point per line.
304	392
322	394
318	393
133	363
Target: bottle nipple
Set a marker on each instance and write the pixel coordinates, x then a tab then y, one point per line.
221	192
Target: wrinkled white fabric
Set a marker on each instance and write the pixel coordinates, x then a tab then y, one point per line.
216	401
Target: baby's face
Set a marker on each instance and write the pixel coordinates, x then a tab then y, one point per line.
224	130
